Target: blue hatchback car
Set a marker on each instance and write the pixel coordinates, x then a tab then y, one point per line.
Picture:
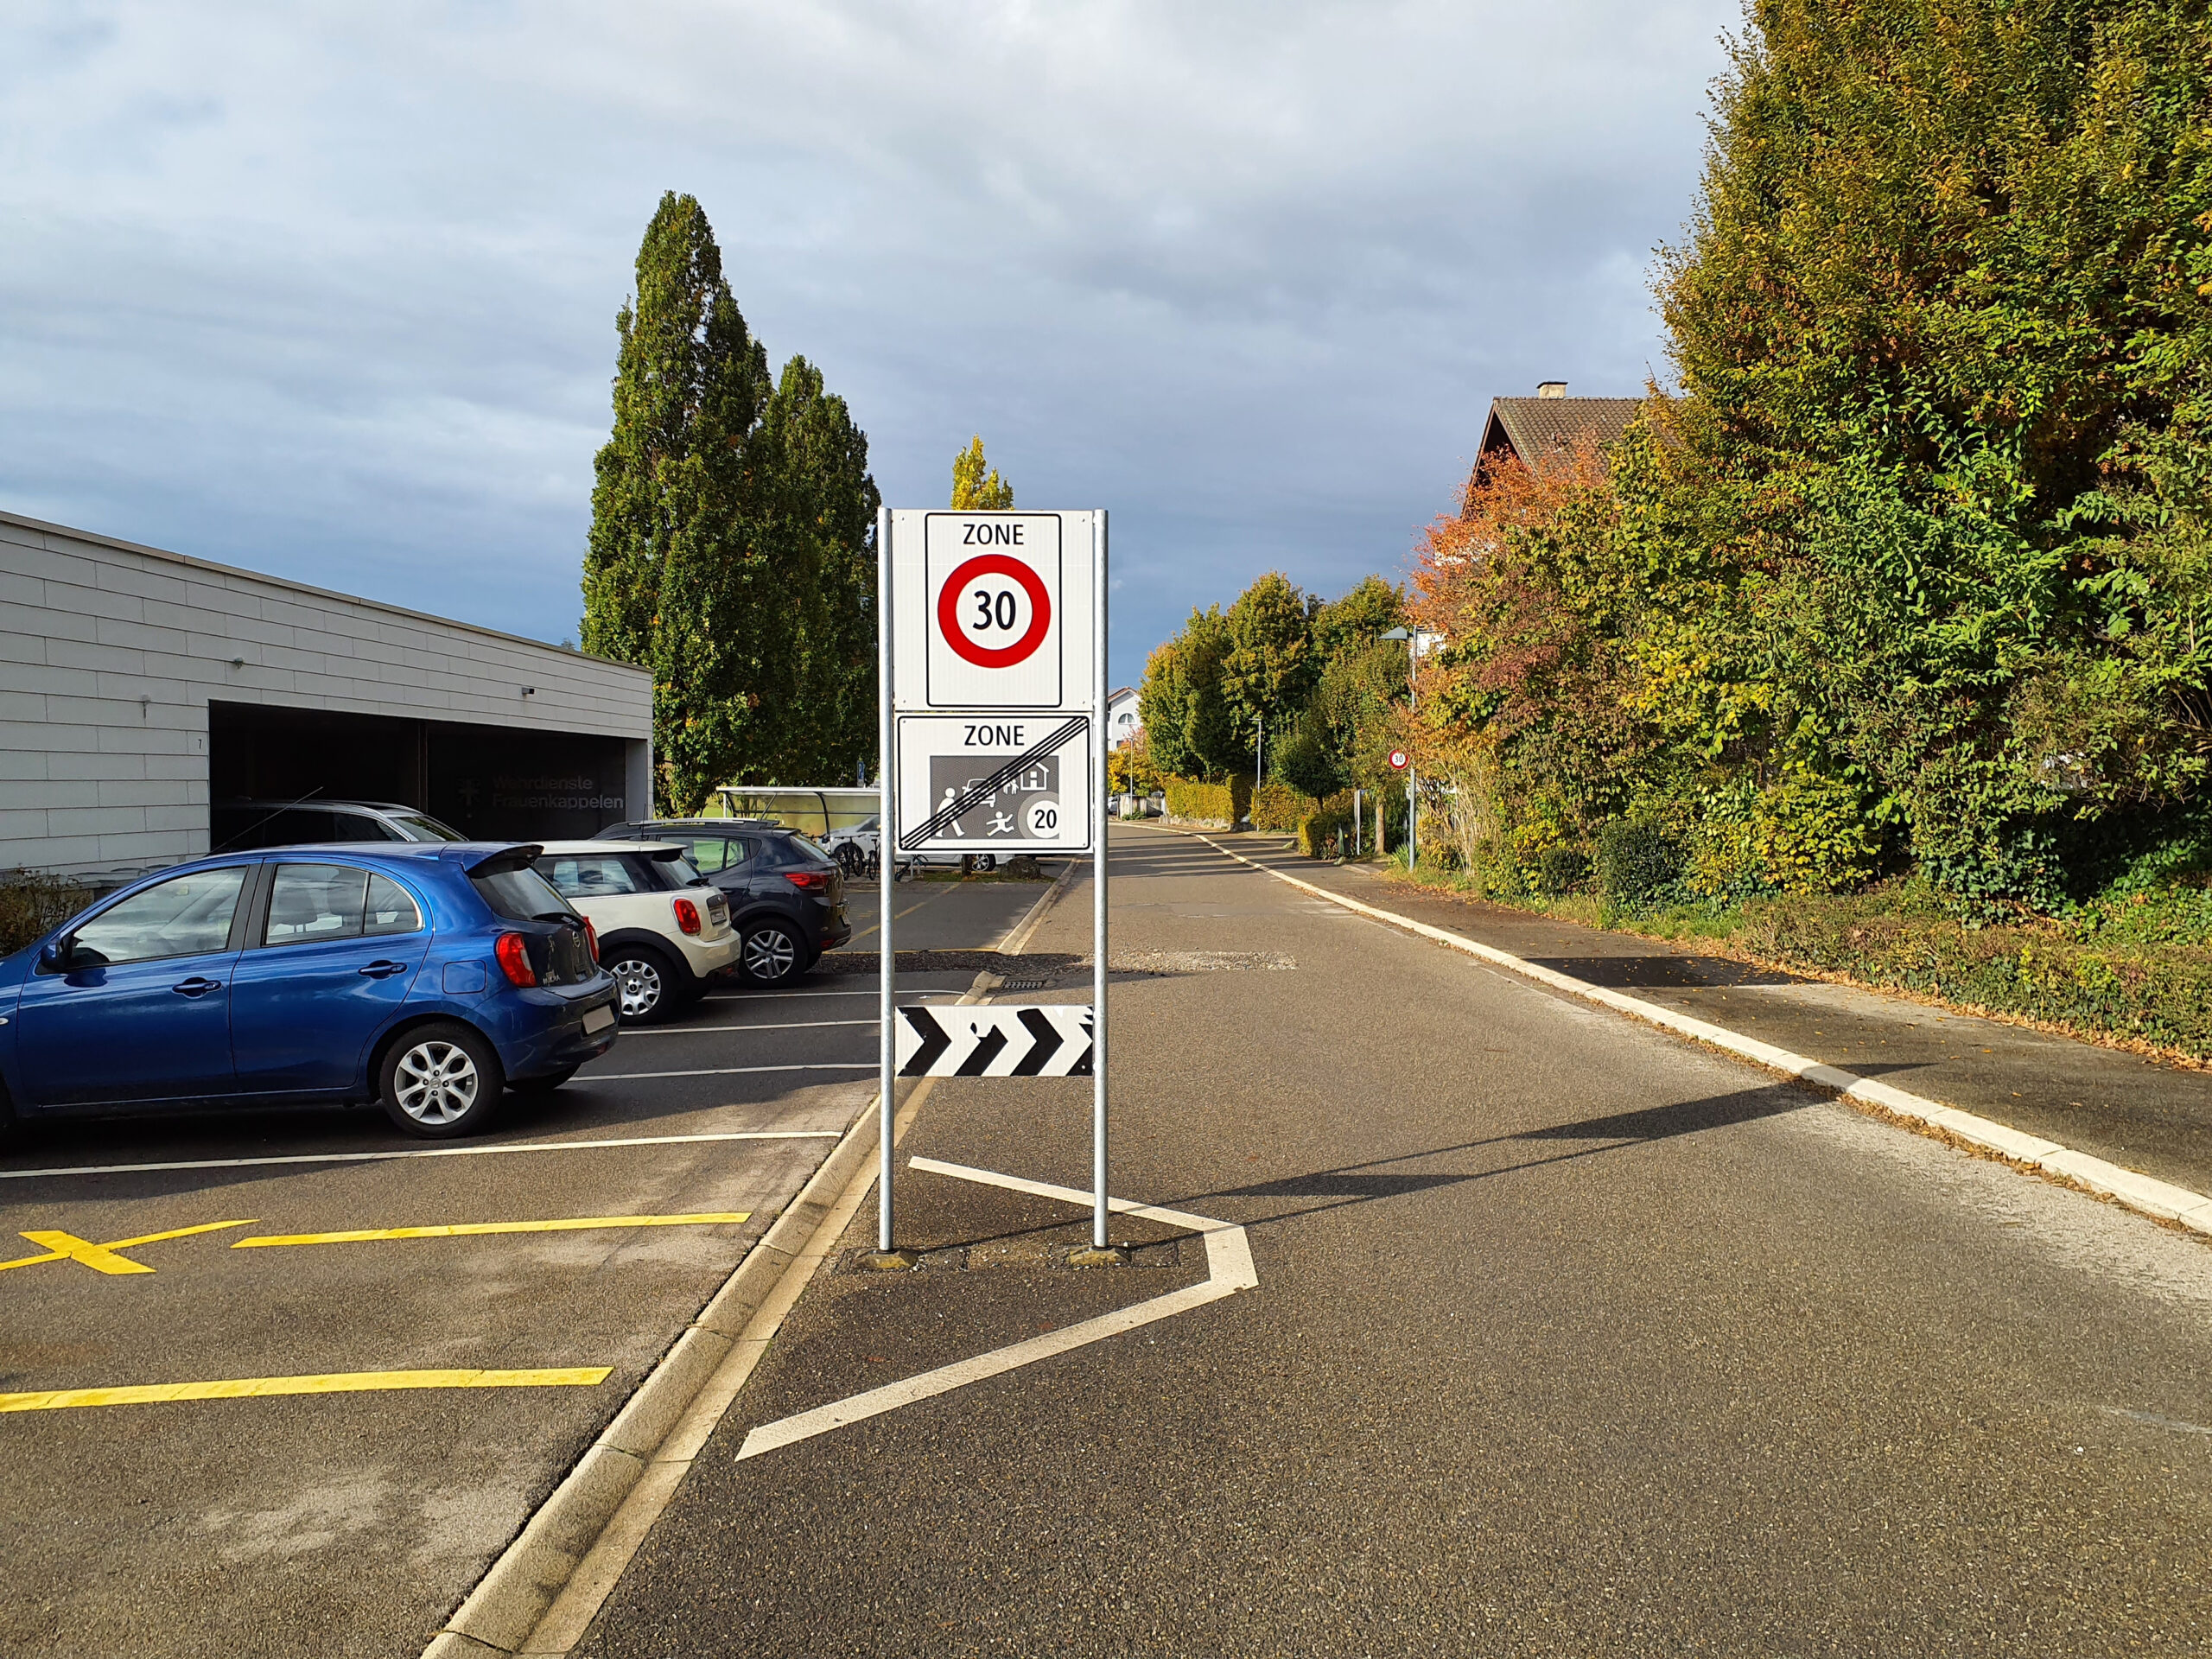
429	976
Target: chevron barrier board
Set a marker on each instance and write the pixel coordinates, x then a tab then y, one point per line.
1002	1041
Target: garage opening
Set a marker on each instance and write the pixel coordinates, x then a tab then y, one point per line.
492	783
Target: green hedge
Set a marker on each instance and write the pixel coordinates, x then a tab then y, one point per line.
2160	995
31	904
1221	804
1326	831
1637	862
1279	807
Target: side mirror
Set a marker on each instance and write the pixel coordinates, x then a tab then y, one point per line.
53	955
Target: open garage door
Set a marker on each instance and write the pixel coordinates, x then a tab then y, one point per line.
492	783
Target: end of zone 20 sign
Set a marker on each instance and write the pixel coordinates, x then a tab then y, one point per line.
993	610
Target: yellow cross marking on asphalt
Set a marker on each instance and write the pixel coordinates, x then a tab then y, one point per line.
257	1388
102	1258
459	1230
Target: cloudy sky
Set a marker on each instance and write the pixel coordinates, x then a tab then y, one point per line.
329	290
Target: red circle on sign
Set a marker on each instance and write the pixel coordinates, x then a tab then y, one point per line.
948	611
1397	759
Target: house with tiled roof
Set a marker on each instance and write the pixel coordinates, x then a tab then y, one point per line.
1532	430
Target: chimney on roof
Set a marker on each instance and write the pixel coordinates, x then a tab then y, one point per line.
1551	389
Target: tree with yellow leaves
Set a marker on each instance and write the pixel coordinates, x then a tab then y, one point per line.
973	489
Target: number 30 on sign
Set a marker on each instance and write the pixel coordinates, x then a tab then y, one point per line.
995	610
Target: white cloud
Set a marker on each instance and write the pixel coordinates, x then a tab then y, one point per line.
331	292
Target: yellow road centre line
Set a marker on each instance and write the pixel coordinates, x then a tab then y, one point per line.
101	1258
256	1387
460	1229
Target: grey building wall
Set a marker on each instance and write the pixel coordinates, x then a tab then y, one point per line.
110	653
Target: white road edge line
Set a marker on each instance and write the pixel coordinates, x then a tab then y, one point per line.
423	1152
1016	939
2137	1190
1229	1269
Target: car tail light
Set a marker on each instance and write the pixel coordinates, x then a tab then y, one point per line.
812	880
591	941
513	952
687	915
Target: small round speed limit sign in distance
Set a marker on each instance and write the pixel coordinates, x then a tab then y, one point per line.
994	611
1398	759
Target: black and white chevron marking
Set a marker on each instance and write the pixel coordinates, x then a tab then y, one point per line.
1001	1041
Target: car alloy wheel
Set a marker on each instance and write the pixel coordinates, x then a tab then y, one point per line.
640	984
771	955
437	1083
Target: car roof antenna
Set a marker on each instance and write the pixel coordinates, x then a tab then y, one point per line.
258	822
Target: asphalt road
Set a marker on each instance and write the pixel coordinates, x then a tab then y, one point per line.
1568	1338
2120	1106
943	914
352	1522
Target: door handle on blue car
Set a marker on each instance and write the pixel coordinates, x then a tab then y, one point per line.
384	970
196	985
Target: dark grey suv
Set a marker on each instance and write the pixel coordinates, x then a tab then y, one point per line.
786	895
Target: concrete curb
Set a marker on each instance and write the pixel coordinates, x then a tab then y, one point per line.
2138	1191
505	1607
645	1451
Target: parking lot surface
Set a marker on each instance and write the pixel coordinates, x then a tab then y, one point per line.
288	1383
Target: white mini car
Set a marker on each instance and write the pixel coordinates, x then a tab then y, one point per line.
663	931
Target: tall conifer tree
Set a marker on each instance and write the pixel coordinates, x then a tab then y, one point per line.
817	508
732	539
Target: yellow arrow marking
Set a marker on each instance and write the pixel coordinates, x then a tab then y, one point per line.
460	1229
256	1387
102	1258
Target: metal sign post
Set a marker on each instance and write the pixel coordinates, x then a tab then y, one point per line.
886	843
1401	761
1098	891
991	670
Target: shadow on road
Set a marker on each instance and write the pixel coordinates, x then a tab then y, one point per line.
1617	1132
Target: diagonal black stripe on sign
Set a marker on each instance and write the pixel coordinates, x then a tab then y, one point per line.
935	1040
935	823
1081	1067
987	1051
1046	1043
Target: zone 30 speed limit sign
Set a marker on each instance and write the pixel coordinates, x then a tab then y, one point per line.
993	680
993	603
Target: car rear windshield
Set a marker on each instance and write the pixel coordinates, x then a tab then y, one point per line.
596	875
793	848
521	896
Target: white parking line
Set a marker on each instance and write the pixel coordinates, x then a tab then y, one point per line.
779	996
726	1070
1229	1269
700	1031
425	1152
